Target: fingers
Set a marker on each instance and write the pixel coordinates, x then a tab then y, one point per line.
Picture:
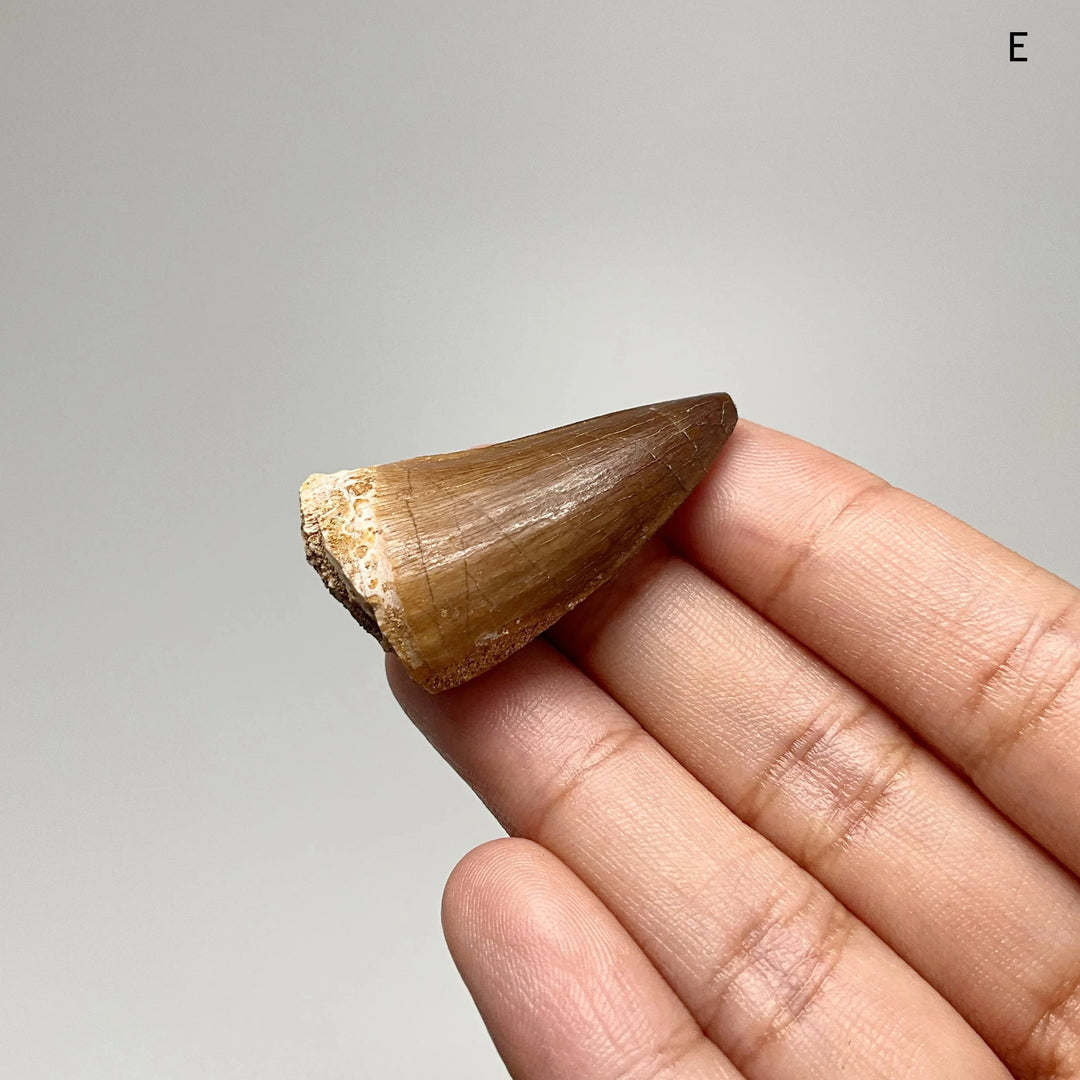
972	646
812	763
562	987
777	973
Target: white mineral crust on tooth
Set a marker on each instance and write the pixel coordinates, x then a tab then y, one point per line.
344	543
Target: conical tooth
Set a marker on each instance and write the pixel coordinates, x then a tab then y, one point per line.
455	561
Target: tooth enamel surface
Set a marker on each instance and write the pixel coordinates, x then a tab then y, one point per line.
456	560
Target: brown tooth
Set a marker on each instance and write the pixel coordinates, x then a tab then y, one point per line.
455	561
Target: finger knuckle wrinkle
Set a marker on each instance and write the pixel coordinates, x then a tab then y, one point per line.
1016	695
855	790
860	501
782	964
666	1060
581	766
858	806
800	746
1050	1049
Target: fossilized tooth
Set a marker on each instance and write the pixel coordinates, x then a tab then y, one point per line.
454	561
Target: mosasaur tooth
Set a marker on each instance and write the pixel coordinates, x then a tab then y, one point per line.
454	561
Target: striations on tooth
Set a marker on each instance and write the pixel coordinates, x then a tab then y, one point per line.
455	561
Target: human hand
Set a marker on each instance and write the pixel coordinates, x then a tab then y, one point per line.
796	795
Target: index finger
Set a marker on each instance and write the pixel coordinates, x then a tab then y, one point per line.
972	646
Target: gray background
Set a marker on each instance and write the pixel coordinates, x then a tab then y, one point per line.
241	242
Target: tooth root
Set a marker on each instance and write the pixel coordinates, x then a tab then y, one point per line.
455	561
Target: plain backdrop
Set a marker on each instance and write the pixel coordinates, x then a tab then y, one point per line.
241	242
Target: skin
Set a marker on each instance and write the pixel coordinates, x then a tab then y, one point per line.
796	796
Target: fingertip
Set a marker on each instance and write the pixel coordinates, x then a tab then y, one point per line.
550	967
416	702
401	686
495	877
